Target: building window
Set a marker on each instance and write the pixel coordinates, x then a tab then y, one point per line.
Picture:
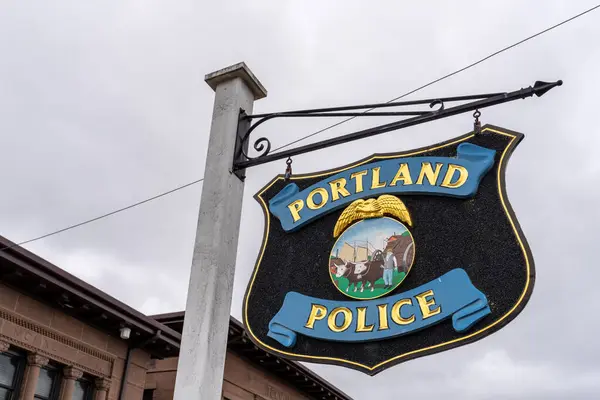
11	372
83	389
47	385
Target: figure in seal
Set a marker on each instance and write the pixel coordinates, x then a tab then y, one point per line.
389	266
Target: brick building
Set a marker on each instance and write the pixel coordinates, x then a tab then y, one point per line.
63	339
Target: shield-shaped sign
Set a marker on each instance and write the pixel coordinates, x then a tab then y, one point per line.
390	258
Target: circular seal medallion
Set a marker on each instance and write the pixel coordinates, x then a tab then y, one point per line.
371	258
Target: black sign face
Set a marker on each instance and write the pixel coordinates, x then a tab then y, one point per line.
390	258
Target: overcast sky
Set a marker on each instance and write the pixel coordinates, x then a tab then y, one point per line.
102	104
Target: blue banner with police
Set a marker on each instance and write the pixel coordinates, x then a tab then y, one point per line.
451	295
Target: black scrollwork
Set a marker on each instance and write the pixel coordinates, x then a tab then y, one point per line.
262	145
437	103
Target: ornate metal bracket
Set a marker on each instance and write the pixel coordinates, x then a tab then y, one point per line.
262	145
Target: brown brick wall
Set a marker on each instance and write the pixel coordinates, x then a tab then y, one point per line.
8	298
30	325
242	381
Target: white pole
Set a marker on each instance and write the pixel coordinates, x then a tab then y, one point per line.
206	324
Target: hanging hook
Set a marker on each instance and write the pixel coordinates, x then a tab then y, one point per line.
477	123
288	169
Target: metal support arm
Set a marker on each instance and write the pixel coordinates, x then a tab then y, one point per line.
263	146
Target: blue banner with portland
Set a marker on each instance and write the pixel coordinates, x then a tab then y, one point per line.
451	295
446	176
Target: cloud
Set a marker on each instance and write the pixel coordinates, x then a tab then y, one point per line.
497	375
152	292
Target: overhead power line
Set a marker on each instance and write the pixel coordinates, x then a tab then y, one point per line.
312	134
458	71
139	203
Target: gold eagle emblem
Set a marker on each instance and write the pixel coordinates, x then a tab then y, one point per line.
372	208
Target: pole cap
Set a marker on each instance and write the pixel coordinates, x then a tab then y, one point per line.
239	70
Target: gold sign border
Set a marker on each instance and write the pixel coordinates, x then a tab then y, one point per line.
474	336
